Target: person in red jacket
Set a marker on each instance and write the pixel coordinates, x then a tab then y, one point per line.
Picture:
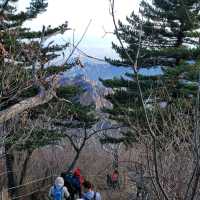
77	173
115	179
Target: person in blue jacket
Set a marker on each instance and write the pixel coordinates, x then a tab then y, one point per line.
89	193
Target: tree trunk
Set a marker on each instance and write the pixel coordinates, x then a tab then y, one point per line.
71	167
11	182
196	182
43	97
178	44
179	40
24	168
115	159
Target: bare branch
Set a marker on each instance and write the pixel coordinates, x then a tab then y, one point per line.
106	32
86	29
72	142
104	129
43	97
134	66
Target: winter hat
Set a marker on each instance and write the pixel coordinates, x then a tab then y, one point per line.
77	172
59	182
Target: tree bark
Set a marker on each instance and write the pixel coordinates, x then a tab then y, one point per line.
178	44
72	165
43	97
24	168
179	40
115	159
196	182
18	108
11	182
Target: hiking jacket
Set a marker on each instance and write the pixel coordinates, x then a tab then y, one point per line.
90	196
115	177
65	193
77	173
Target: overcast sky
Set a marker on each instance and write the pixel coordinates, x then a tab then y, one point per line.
78	13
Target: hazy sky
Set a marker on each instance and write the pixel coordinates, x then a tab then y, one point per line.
78	13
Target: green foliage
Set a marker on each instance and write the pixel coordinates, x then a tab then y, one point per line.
23	70
13	82
36	6
51	70
77	116
30	92
68	92
18	63
168	28
33	139
176	88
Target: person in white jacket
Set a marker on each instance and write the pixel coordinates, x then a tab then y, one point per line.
58	191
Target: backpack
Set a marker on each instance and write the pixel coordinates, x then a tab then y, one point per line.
72	183
76	182
93	198
57	193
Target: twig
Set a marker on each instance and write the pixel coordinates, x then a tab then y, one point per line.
104	129
72	142
86	29
196	143
134	66
106	32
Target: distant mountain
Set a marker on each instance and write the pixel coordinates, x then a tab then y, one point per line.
88	79
95	70
93	93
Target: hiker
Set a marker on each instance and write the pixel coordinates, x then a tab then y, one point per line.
77	175
69	183
89	194
115	179
108	180
58	191
73	181
77	172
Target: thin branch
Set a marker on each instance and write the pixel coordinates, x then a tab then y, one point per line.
62	99
196	182
106	32
149	169
197	145
134	66
86	29
103	129
190	182
72	142
84	139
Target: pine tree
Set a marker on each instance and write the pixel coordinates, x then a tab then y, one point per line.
25	84
23	54
168	27
165	96
53	122
75	122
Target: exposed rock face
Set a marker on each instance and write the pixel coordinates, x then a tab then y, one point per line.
93	93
